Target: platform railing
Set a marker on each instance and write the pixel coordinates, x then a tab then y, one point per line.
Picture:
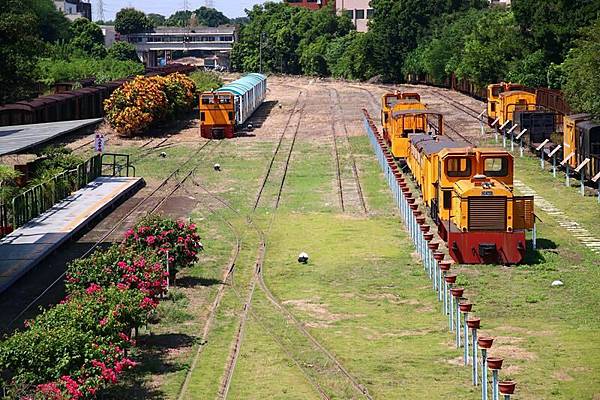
40	198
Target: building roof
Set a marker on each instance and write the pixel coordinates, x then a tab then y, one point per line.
17	138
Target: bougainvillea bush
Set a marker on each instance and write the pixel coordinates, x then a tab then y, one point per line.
76	347
120	266
180	239
79	347
144	101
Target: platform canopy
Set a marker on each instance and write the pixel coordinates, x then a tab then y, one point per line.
18	138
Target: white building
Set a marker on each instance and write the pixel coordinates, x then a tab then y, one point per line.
359	12
74	9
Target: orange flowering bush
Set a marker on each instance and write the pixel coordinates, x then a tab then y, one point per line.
144	101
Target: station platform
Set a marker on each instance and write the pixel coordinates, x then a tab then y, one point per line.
28	245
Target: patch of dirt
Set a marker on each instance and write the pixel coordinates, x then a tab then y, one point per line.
562	376
316	310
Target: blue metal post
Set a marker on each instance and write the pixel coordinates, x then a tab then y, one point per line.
445	309
474	355
542	158
512	141
521	147
484	382
457	322
554	165
568	183
494	384
466	335
582	178
507	397
441	284
450	310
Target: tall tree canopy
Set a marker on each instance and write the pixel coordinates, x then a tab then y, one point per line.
554	24
210	17
20	43
294	40
130	20
397	26
157	19
581	69
87	37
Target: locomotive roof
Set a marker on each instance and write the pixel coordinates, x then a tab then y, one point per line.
515	92
429	111
589	125
432	144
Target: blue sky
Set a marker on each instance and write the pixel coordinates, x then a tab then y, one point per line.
231	8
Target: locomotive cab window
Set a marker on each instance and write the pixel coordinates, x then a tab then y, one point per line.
225	100
458	167
207	100
495	166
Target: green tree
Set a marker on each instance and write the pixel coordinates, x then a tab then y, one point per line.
180	18
552	25
20	44
123	51
157	19
130	20
581	68
397	27
210	17
53	25
348	56
87	37
530	70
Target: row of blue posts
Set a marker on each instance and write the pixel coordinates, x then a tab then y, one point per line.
442	281
510	132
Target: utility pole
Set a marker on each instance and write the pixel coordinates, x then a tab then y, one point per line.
100	10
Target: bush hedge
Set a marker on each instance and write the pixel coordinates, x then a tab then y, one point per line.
144	101
79	347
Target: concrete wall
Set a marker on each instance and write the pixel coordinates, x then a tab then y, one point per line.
358	10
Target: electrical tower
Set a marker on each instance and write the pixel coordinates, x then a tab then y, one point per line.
209	3
100	10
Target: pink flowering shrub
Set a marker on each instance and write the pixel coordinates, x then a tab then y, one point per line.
163	235
121	266
77	348
61	349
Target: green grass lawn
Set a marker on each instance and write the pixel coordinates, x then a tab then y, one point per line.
365	297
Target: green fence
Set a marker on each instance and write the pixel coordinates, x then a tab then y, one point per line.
40	198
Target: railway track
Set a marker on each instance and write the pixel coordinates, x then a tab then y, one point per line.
350	153
258	278
147	205
338	173
247	301
458	105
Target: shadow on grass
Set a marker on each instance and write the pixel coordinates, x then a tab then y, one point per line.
535	257
153	355
190	282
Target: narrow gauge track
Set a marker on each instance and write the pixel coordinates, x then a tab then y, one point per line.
458	105
149	208
355	175
237	341
338	173
226	277
258	276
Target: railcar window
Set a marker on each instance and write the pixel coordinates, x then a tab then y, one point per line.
521	105
458	167
496	166
208	100
493	106
447	199
202	116
224	100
